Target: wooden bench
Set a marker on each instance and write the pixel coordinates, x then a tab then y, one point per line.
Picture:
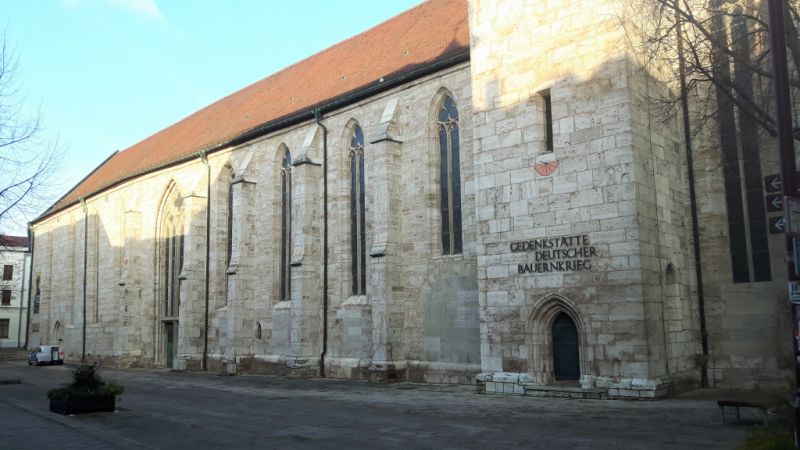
741	404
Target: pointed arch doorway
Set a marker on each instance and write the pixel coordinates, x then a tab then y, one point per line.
557	343
566	349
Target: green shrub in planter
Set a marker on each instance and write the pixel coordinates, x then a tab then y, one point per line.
86	393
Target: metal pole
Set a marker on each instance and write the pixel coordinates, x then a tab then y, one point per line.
780	81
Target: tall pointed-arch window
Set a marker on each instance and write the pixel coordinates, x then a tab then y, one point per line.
229	224
175	261
358	243
286	225
172	262
449	176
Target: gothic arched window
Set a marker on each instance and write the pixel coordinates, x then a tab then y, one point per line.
358	243
229	224
449	176
173	265
172	248
286	225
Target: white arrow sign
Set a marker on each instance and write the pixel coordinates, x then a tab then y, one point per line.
780	224
777	202
776	184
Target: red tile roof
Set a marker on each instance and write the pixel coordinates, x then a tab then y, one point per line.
432	32
13	241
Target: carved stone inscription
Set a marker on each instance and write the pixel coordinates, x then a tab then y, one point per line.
557	254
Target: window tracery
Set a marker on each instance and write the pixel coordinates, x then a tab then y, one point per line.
286	225
358	245
449	176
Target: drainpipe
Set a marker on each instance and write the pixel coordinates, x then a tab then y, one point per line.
85	248
30	286
698	267
204	159
318	118
21	295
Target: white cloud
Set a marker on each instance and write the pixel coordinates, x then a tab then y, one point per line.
143	8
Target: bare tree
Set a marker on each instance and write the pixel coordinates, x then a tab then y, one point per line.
724	45
26	161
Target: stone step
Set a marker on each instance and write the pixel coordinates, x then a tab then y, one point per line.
13	354
535	390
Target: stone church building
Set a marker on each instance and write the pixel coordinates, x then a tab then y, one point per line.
473	191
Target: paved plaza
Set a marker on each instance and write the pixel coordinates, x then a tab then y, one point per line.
162	409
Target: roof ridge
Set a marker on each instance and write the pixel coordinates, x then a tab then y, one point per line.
313	55
277	72
429	34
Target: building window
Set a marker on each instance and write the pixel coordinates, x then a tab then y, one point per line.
741	150
38	294
96	262
173	263
548	120
4	328
172	254
358	241
8	272
286	225
229	226
449	176
6	297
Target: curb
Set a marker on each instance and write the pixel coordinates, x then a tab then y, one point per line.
111	438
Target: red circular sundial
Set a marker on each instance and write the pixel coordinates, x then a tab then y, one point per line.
546	168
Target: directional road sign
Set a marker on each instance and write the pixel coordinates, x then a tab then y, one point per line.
777	225
772	183
774	202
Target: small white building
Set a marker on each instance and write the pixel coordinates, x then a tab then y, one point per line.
15	260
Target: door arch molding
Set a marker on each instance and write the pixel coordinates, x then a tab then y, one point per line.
539	331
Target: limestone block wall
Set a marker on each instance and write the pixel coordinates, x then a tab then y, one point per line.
403	259
121	271
40	288
664	218
603	192
749	325
747	316
426	325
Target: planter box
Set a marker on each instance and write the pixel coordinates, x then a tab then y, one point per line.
84	405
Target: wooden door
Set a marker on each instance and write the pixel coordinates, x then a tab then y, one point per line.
566	356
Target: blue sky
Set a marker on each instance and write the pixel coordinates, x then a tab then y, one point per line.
108	73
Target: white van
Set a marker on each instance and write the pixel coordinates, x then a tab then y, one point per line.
46	354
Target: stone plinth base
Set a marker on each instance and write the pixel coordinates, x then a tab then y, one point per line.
532	390
350	368
385	372
590	386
